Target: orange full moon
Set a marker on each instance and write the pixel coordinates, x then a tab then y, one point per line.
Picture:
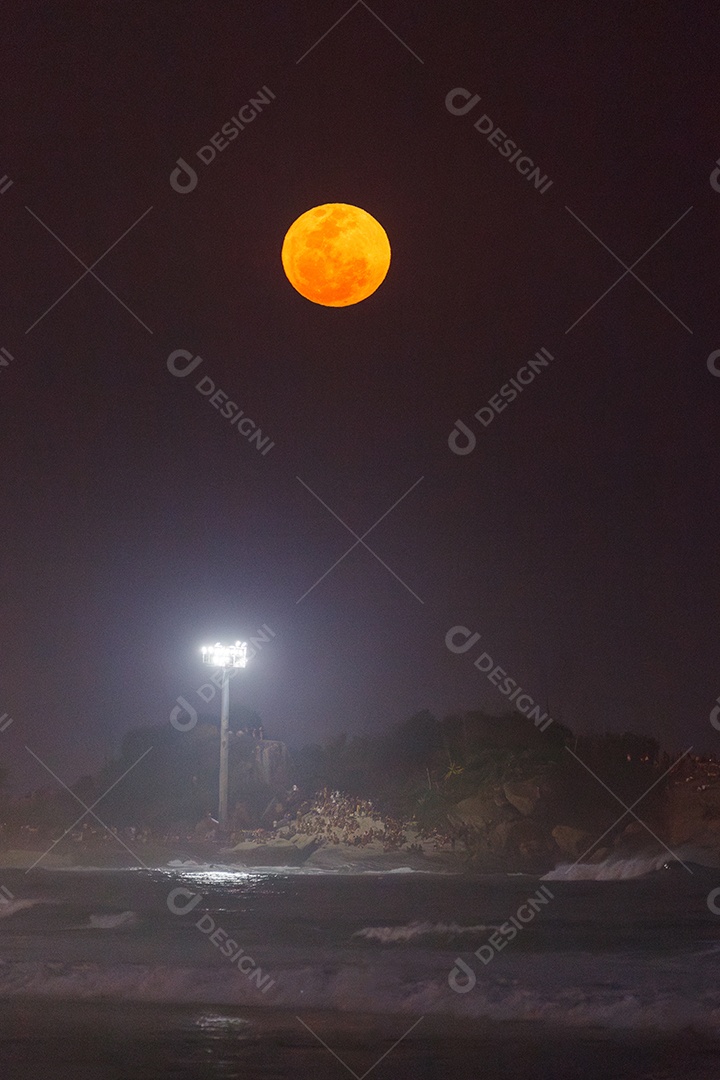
336	254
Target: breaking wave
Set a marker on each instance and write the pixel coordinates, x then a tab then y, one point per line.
121	920
619	869
388	935
11	907
564	991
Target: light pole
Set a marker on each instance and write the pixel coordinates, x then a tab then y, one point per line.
224	657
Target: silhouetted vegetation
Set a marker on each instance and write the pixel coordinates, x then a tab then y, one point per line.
422	768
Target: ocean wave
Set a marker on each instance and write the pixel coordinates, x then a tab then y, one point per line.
122	920
390	934
396	870
563	991
9	908
621	869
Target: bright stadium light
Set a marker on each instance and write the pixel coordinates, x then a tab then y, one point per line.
225	657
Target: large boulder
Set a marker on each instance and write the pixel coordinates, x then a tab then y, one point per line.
303	842
272	764
480	812
519	838
270	853
571	841
633	837
524	795
692	814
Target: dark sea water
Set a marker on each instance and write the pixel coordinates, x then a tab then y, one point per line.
205	972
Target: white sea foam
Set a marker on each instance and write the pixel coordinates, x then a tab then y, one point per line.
11	907
389	934
619	869
398	870
561	990
123	920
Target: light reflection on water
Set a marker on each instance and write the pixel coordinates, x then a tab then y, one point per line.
221	1022
250	877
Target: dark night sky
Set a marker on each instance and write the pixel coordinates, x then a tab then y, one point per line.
579	538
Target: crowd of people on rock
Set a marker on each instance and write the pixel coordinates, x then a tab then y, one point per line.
342	819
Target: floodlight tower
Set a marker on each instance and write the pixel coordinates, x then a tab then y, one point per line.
225	657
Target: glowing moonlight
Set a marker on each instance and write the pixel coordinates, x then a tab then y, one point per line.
336	254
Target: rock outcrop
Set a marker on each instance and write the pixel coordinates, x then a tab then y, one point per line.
524	795
272	764
571	841
483	811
